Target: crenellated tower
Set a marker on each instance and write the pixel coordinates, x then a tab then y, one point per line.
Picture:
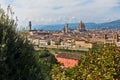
30	26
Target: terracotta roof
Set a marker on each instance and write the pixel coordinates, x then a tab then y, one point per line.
69	55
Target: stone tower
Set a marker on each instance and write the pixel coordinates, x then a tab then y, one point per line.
30	26
66	28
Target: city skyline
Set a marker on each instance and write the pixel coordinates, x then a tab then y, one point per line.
63	11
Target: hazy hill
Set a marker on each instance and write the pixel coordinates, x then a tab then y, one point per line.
107	25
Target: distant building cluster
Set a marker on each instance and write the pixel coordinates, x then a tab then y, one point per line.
80	28
74	39
111	40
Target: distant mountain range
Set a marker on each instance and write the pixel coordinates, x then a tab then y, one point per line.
107	25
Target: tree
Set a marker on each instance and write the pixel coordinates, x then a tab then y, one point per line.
17	60
58	73
102	63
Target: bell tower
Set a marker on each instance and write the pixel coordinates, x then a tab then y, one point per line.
30	26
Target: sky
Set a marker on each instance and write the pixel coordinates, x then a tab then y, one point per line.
63	11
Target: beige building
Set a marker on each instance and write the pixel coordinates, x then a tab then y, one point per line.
35	41
52	42
83	44
43	43
68	43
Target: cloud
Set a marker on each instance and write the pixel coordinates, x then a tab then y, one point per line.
57	7
62	11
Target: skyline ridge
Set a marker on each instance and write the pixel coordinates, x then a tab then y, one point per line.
91	25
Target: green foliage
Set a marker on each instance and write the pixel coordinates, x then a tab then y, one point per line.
74	51
47	56
102	63
45	60
58	73
97	46
44	53
54	50
57	42
17	58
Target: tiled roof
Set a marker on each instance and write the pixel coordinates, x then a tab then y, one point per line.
69	55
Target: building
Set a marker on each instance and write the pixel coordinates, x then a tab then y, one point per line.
82	43
81	27
112	40
43	43
117	38
66	29
52	42
68	59
117	41
67	44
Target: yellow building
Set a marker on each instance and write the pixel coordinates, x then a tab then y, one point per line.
83	44
52	42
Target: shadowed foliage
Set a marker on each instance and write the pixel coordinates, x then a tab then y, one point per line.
18	60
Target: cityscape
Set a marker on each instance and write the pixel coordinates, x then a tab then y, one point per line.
78	38
59	40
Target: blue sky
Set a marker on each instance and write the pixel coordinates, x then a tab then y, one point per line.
63	11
